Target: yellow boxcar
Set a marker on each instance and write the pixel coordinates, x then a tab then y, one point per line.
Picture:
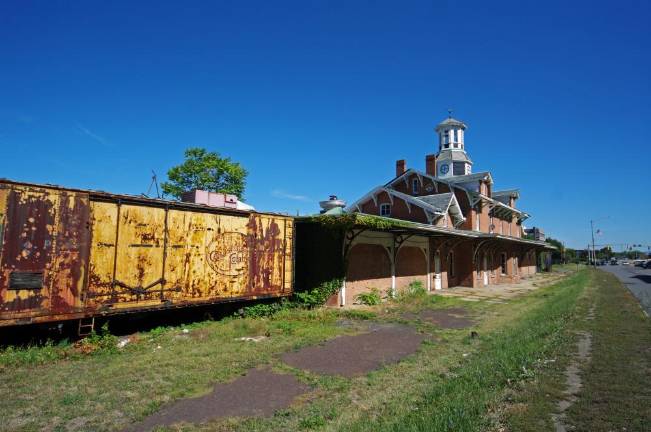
68	254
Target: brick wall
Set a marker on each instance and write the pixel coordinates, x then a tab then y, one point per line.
368	267
411	265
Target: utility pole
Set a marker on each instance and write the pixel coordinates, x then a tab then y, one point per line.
594	256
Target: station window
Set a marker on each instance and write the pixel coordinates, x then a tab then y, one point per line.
414	186
385	209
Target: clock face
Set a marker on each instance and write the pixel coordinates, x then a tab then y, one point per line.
444	168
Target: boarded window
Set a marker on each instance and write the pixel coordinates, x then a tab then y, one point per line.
25	280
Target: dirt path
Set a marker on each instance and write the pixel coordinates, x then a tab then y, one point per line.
573	376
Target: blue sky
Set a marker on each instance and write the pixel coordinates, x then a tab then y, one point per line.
318	98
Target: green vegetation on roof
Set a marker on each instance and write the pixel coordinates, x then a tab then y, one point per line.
358	220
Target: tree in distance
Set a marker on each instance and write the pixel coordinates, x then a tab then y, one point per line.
208	171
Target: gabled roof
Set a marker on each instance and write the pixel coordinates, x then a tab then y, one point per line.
438	201
435	180
456	182
445	202
497	206
438	208
504	195
485	175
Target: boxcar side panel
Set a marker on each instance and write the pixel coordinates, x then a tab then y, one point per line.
206	256
267	244
288	256
4	195
44	251
69	253
104	222
140	249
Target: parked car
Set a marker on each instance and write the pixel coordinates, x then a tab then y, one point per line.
639	263
647	264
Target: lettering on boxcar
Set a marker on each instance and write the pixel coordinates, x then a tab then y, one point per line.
227	253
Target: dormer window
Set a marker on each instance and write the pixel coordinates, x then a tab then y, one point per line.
385	210
414	186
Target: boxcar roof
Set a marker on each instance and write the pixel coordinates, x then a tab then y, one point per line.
97	195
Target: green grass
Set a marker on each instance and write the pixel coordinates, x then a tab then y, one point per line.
616	394
617	387
454	382
461	399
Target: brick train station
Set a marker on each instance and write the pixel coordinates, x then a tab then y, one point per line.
445	226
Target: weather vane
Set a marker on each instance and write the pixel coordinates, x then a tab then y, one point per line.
450	112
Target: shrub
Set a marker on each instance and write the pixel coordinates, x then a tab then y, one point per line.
370	298
414	290
262	310
102	341
317	296
313	298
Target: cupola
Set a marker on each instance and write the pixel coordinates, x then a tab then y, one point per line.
452	159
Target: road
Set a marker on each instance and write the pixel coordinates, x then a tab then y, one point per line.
636	279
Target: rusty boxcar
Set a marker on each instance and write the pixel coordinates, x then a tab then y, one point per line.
76	254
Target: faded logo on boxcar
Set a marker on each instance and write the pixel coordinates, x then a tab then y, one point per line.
227	254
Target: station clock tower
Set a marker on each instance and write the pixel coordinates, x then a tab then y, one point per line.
452	159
